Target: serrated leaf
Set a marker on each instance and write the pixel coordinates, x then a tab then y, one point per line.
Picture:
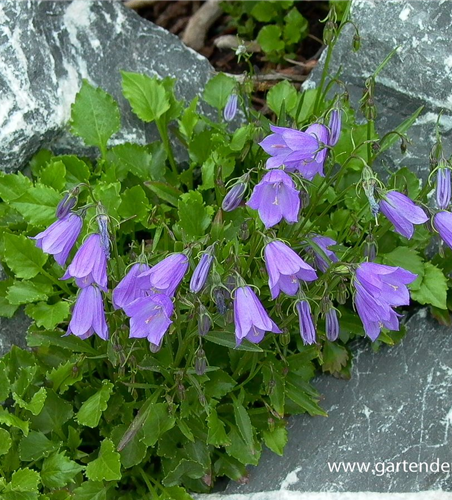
77	171
54	414
227	339
186	467
194	216
276	440
48	315
408	259
295	27
7	310
433	288
189	119
134	204
22	256
131	158
94	116
91	410
65	375
296	391
244	426
24	292
216	433
269	38
5	441
164	191
108	195
335	357
219	384
107	467
54	176
146	95
134	451
90	490
176	493
158	422
36	403
241	451
58	470
275	387
72	343
38	205
11	420
24	480
13	186
282	92
36	446
218	89
4	381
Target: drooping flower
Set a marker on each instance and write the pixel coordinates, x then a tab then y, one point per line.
89	264
88	316
59	238
402	212
331	325
275	197
65	206
323	242
297	150
165	276
230	109
129	289
285	268
379	288
200	274
250	318
150	317
102	224
234	197
335	127
443	224
307	328
443	188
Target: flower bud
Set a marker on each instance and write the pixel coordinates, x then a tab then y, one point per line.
356	42
65	206
335	127
443	186
200	362
234	197
231	108
370	249
200	274
329	32
204	321
244	232
219	299
332	325
342	293
284	338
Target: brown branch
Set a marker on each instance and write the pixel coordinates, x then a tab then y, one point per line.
269	77
138	4
199	24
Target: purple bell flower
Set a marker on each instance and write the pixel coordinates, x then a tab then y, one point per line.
250	318
200	274
275	197
88	316
231	108
285	268
307	328
89	264
331	325
165	276
129	289
324	242
443	188
443	224
59	238
297	150
402	212
65	206
379	288
150	317
234	197
335	127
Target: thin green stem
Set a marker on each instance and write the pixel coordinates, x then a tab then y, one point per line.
163	131
323	78
56	282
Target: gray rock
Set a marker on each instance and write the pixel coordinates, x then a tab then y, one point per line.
396	407
47	47
12	331
420	73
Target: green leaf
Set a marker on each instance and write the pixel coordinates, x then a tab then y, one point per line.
433	288
39	161
107	466
157	423
216	434
13	186
146	95
241	451
24	292
243	422
408	259
218	89
219	384
65	375
12	421
36	446
189	119
133	452
185	467
296	391
91	410
90	490
38	205
55	413
54	176
131	158
58	470
7	310
108	195
48	315
295	27
335	357
194	216
264	11
72	343
24	480
269	38
275	385
276	440
4	381
176	493
36	403
134	203
94	116
282	92
77	171
5	441
164	191
227	339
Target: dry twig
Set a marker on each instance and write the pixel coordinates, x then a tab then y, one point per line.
199	24
138	4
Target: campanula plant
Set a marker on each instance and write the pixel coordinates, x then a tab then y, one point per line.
182	299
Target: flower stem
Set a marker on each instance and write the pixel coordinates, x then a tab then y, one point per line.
163	131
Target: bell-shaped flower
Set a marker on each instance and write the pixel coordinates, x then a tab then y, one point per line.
325	256
234	197
200	274
231	108
65	206
402	212
165	276
331	324
334	127
150	317
275	198
443	188
443	224
379	288
129	289
285	268
89	264
88	316
59	238
250	318
307	328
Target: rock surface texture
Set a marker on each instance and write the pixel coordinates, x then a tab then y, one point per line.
397	407
47	47
420	73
